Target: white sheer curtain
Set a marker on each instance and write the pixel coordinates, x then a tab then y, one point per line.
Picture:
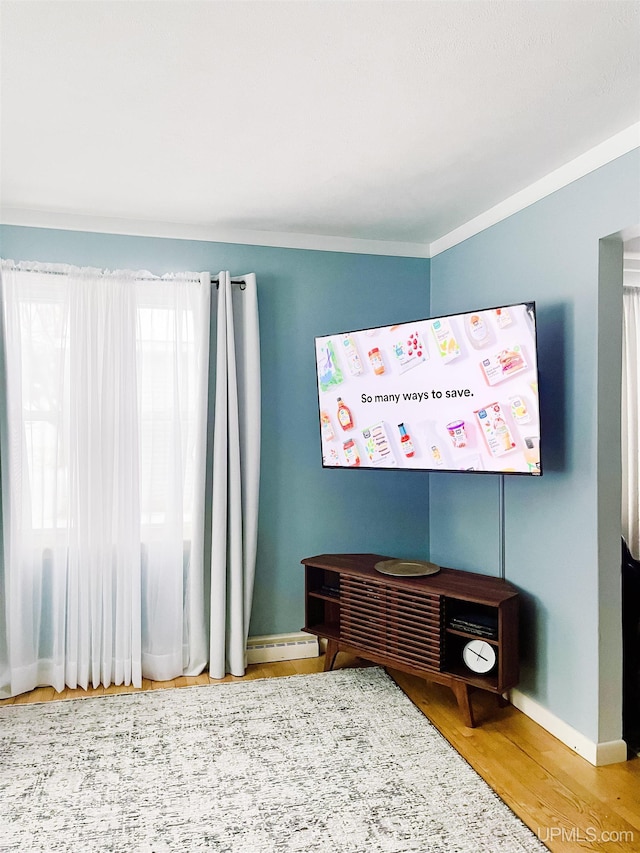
631	419
103	463
236	467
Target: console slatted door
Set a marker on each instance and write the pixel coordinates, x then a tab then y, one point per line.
414	628
363	614
399	624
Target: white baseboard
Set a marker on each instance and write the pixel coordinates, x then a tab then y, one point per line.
598	754
276	647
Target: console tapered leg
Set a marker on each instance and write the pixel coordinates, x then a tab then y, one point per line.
330	654
464	702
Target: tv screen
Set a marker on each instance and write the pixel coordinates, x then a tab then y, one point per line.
451	393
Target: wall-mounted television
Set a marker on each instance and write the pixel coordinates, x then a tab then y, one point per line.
457	393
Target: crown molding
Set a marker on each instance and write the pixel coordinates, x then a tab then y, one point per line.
612	148
607	151
185	231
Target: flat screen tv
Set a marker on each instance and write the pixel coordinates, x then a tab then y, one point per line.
456	393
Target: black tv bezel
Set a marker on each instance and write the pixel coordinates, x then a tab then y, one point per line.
528	303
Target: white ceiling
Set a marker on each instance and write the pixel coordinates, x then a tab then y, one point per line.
389	121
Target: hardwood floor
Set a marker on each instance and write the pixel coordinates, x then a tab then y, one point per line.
569	804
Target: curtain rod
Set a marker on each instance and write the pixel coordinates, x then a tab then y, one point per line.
215	279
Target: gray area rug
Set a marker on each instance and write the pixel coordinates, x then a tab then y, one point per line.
337	762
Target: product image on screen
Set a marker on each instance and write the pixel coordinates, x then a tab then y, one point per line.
453	393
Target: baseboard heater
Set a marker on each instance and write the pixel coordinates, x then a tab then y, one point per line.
277	647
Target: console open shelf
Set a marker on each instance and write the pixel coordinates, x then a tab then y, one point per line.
418	625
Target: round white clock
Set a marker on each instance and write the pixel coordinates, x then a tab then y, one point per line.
479	656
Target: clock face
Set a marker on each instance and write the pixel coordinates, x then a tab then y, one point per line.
479	656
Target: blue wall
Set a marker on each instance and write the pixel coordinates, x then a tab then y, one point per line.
562	530
304	510
562	543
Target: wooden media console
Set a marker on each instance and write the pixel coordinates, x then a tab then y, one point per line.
419	625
